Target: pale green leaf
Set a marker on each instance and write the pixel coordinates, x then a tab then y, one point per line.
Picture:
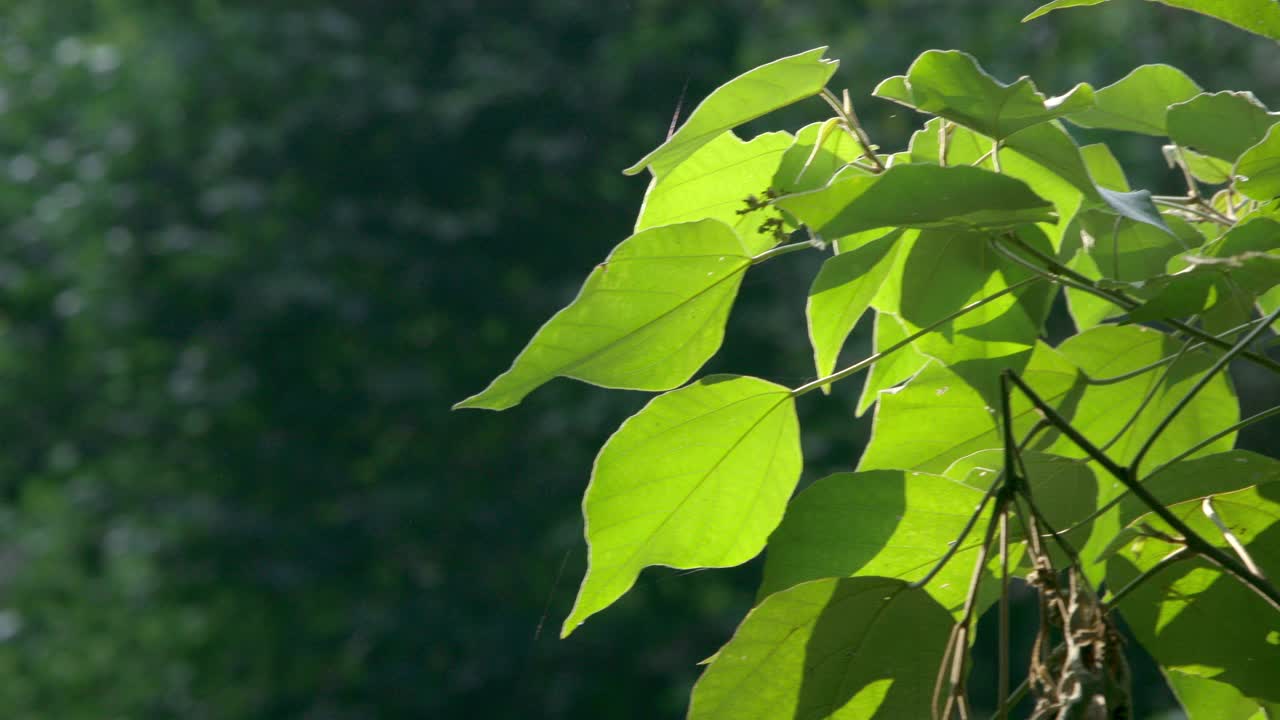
746	97
841	293
1197	477
894	369
918	196
1139	101
1221	125
1258	169
714	183
646	319
829	649
1104	168
803	168
889	523
1203	168
1205	699
951	84
698	478
1059	5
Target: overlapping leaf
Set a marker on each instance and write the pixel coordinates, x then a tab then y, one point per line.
1221	125
1139	101
1258	168
711	182
828	649
893	369
698	478
746	97
841	294
647	317
951	84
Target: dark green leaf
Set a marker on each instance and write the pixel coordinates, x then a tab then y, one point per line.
647	318
746	97
829	649
698	478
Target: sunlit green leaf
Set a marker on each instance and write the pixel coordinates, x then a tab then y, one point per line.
841	293
1221	125
894	369
1178	614
1203	168
1139	101
746	97
1059	5
1205	699
950	84
1197	477
803	169
647	317
1256	16
918	196
905	523
1258	168
829	649
698	478
714	183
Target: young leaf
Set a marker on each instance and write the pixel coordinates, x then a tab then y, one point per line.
1221	125
1059	5
951	84
841	293
698	478
829	649
919	196
746	97
714	183
1139	101
905	523
1178	614
1258	169
647	317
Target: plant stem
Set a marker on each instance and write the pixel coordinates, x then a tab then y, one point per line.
871	360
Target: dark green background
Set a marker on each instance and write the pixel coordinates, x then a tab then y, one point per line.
253	251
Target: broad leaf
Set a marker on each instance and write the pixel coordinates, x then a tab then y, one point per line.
647	317
1256	16
1139	101
918	196
1221	125
746	97
959	420
698	478
1258	169
1195	478
894	369
1180	613
829	649
710	184
1203	168
841	293
951	84
803	168
1205	699
884	522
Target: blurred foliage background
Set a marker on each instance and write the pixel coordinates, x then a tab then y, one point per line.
252	252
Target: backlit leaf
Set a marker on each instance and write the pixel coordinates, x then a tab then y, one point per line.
698	478
841	293
893	369
1258	168
1139	101
647	317
1221	125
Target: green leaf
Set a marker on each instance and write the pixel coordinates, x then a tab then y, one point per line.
951	84
889	523
918	196
1139	101
1105	169
805	169
1206	169
714	183
746	97
647	317
1059	5
894	369
1221	125
698	478
1178	614
1205	699
841	293
829	649
1197	477
1258	169
958	419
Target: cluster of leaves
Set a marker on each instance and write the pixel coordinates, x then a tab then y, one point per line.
1120	437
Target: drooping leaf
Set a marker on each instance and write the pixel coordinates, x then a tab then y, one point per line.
951	84
647	317
714	183
1221	125
1178	614
918	196
841	294
1139	101
746	97
1258	169
698	478
889	523
893	369
959	419
829	649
